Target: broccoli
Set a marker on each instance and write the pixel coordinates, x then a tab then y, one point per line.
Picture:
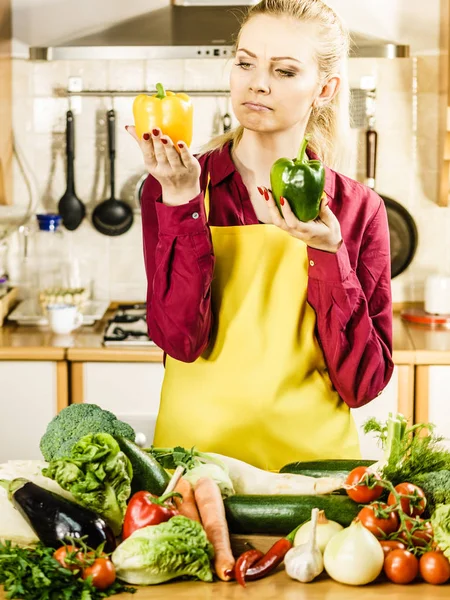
436	486
76	421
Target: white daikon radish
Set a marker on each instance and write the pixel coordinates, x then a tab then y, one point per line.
248	479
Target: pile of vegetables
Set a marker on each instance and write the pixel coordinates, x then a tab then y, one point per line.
104	510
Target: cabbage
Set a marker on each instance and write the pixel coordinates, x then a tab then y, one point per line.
159	553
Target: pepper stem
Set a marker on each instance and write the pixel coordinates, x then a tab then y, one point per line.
291	536
161	91
302	149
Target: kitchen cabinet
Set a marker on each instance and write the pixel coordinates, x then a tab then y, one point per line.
433	398
5	103
131	390
33	391
398	396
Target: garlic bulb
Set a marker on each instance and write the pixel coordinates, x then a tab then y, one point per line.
305	562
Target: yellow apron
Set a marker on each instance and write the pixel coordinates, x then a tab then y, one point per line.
260	392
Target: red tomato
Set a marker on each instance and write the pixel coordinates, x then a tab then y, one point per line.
102	572
401	566
389	545
379	526
410	506
434	567
420	537
61	554
362	494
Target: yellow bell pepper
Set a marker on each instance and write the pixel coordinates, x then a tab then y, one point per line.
170	112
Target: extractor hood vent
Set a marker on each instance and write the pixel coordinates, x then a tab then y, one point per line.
185	29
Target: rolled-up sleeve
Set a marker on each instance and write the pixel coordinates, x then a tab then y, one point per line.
179	263
354	313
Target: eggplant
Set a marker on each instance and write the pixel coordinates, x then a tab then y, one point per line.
53	517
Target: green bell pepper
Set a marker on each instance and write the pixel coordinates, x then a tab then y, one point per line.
301	182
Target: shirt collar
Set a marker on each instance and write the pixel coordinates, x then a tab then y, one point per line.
222	166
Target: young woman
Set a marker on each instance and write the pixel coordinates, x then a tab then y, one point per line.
273	328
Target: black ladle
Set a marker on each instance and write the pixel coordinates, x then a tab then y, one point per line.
112	216
70	207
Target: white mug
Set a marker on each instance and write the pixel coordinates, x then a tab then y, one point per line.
437	295
63	318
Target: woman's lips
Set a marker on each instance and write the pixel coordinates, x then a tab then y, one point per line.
257	107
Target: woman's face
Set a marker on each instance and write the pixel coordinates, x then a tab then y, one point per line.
275	80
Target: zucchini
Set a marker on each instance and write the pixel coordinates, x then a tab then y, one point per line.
326	468
148	474
279	515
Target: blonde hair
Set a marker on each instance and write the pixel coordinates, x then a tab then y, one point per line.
328	125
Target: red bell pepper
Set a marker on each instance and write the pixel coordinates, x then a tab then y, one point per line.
146	509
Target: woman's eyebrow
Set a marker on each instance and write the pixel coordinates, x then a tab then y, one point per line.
273	59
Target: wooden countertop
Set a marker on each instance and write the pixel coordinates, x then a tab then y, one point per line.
280	586
413	344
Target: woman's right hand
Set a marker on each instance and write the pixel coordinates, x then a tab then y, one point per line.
177	173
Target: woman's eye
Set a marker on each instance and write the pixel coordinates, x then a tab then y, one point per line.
243	65
286	73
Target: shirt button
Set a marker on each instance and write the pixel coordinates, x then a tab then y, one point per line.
311	262
195	215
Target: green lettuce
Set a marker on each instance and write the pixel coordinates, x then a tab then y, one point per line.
159	553
440	521
98	474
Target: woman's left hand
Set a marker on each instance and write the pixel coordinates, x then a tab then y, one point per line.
324	233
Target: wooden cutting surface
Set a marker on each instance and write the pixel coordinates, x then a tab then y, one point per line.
280	587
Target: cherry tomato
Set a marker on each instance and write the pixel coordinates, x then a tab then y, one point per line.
420	537
401	566
362	494
379	526
389	545
411	507
61	554
102	572
434	567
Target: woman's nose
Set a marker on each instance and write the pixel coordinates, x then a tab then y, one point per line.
259	82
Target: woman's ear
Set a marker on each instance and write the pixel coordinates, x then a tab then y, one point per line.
328	92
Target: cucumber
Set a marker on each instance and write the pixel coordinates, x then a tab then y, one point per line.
279	515
148	474
325	468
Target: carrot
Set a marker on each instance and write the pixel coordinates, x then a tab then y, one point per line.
212	512
186	507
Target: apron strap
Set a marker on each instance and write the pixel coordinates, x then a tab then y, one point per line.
206	200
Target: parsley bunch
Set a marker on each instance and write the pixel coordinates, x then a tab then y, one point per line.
33	574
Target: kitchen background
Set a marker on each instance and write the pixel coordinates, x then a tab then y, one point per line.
407	97
41	371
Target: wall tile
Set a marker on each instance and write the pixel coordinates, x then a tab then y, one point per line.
49	76
169	72
126	74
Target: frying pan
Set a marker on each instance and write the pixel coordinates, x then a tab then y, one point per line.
70	207
402	227
112	216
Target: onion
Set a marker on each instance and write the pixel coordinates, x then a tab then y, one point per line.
354	556
325	531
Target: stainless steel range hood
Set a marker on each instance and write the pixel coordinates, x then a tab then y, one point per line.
185	29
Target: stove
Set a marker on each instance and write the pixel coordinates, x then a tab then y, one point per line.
128	327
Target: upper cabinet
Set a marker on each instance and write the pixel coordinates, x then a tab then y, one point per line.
5	103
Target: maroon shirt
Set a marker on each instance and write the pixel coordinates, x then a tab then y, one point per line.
350	291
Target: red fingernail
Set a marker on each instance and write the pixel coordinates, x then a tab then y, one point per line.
260	190
163	140
146	136
281	200
126	127
266	194
155	131
180	144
